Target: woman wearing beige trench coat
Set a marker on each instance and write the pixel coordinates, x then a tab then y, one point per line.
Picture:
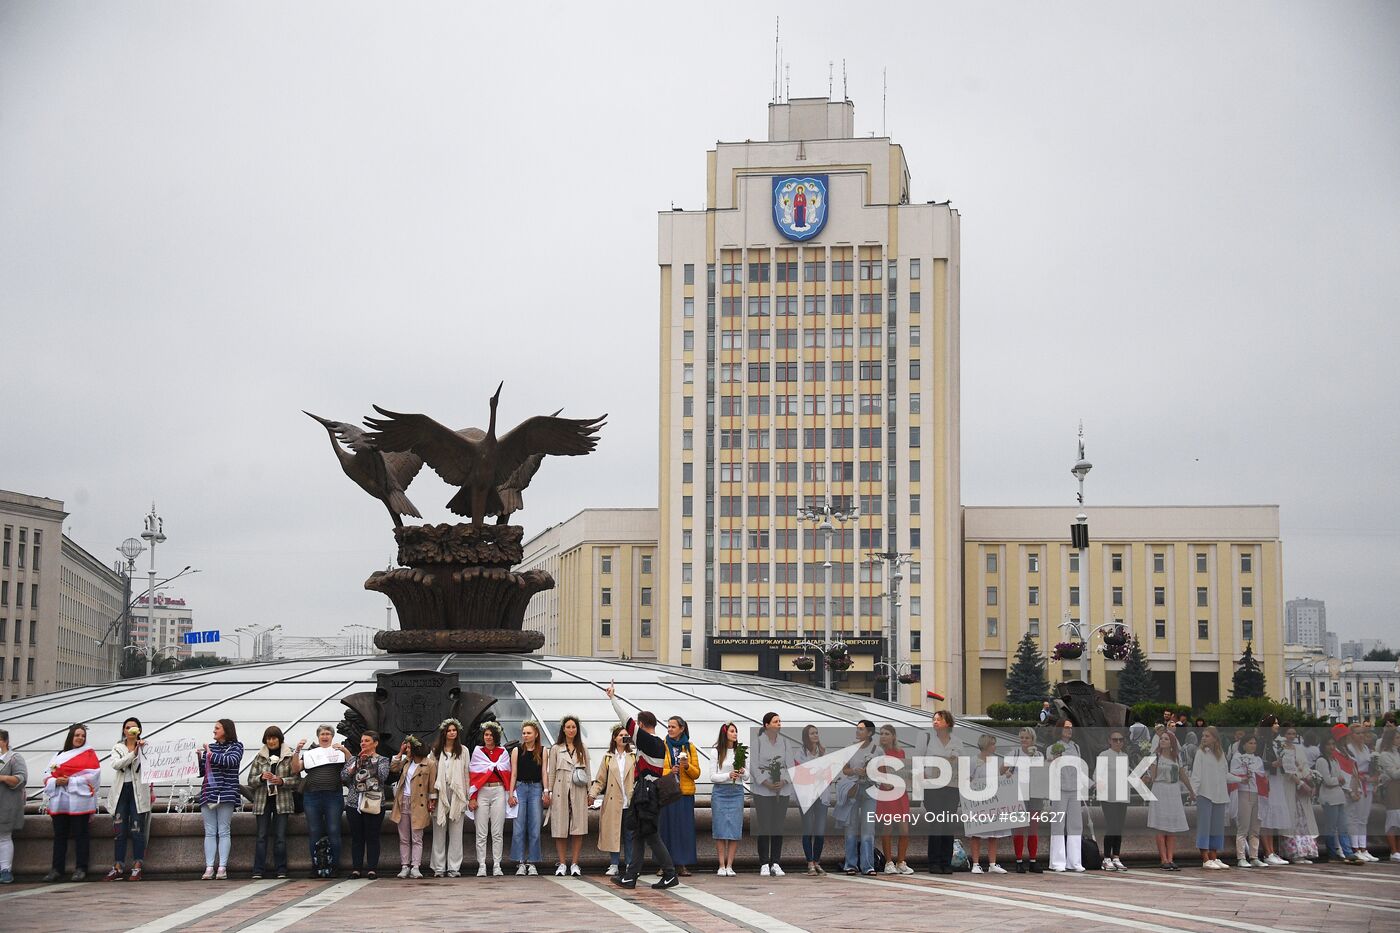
566	801
616	775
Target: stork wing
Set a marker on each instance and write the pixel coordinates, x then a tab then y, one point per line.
348	434
525	472
545	434
402	467
440	447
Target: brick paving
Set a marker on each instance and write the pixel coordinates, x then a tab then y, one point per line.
1297	900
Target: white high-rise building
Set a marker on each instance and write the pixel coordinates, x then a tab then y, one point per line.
1305	623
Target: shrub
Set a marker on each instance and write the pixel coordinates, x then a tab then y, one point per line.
1248	712
1151	713
1005	712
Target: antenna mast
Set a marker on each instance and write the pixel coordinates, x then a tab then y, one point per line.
884	97
844	94
830	71
777	28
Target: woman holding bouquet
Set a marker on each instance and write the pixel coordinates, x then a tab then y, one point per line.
1300	844
773	758
71	793
678	820
129	802
727	797
270	784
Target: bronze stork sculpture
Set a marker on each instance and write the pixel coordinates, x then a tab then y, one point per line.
383	475
491	471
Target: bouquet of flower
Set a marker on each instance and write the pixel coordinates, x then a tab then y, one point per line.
741	755
1057	749
774	769
272	766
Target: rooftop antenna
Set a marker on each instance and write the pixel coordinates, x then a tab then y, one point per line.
884	97
830	72
787	82
844	96
777	29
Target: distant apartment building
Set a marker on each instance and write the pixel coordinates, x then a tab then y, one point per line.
1343	689
604	599
1358	649
1305	623
165	627
57	603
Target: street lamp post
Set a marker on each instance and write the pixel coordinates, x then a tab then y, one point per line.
153	535
130	549
1079	540
893	561
822	519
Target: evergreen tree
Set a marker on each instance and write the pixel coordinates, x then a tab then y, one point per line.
1135	681
1026	681
1249	677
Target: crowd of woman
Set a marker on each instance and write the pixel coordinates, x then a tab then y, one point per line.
1269	783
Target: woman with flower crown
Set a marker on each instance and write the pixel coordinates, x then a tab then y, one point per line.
448	799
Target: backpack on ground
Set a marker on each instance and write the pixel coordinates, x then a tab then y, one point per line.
321	861
960	861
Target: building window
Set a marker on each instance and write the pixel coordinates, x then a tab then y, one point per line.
913	268
605	628
689	273
1116	562
915	571
1074	562
646	563
687	572
1202	596
1200	561
914	470
1246	562
687	537
915	403
991	562
646	628
914	336
1247	596
5	547
4	628
914	504
687	510
1033	596
33	632
1074	596
30	668
685	641
1032	563
1159	596
646	596
916	640
1117	596
687	606
1159	562
4	592
916	537
1159	628
915	436
1033	627
991	596
1202	629
1247	629
605	598
814	271
916	606
914	370
758	272
991	627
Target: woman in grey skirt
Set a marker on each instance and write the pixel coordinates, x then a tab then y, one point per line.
727	798
1167	813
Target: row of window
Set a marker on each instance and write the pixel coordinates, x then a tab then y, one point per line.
605	563
870	270
8	538
19	631
842	471
787	338
1159	596
810	438
1159	562
1159	628
761	306
735	406
15	669
605	628
605	596
19	594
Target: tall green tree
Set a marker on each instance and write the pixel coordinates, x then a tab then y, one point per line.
1249	677
1135	682
1026	681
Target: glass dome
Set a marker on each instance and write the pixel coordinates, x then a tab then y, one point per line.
299	694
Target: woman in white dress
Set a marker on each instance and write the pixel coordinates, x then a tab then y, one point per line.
1275	819
1298	793
983	775
1166	813
1388	768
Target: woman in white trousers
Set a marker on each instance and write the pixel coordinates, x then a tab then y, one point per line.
1066	808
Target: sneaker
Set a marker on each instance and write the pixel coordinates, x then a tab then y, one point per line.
51	877
1273	859
622	881
811	869
765	871
669	880
732	874
996	869
415	872
372	875
560	870
1034	867
283	874
481	871
496	870
520	869
612	870
575	871
1258	863
208	875
1077	868
1243	863
454	874
1366	854
221	874
890	869
778	870
1209	864
977	869
403	872
1118	864
1108	865
1395	856
822	871
255	876
79	875
115	874
7	877
904	869
723	873
1020	866
137	870
531	870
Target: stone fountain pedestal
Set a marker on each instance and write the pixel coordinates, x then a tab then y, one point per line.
456	591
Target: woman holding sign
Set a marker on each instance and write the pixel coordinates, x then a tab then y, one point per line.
219	763
71	792
321	796
129	801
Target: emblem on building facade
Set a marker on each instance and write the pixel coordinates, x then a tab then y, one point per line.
799	205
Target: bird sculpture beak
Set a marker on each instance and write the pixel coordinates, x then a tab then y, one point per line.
323	421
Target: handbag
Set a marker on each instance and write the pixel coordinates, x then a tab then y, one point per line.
580	776
1090	856
668	789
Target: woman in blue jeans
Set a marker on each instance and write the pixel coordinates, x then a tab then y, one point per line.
129	802
219	763
527	784
814	817
1332	795
321	792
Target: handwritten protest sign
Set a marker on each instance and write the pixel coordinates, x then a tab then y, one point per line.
315	755
169	761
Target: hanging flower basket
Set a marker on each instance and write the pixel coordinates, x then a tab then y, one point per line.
804	663
908	679
1115	652
842	662
1067	651
837	651
1118	636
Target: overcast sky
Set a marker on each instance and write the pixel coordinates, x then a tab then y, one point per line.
1179	223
